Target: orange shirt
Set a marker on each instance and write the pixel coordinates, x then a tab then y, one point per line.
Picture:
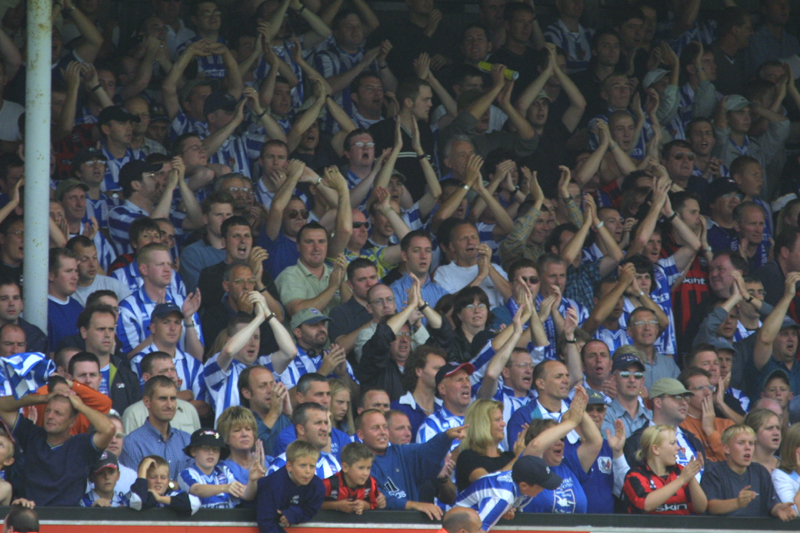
713	442
92	398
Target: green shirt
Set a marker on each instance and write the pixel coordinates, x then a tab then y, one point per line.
297	283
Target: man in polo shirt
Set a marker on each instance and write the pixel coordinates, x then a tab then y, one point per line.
116	130
628	372
186	416
349	318
311	283
147	196
455	389
157	436
416	251
155	266
57	464
670	400
269	402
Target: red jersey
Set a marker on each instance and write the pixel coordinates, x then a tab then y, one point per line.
641	481
687	296
336	489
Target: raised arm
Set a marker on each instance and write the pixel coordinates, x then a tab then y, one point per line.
10	55
169	87
569	421
685	254
591	441
319	30
648	225
772	324
307	119
240	339
344	213
501	357
282	197
287	349
92	40
606	304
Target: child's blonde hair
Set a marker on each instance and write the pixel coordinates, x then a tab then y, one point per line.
734	430
300	448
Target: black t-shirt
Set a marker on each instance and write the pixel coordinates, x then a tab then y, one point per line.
525	64
470	460
548	155
721	483
11	272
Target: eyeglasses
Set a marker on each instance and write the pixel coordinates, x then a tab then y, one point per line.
640	323
680	398
523	365
597	407
533	280
237	189
195	148
403	334
359	225
294	213
209	13
677	156
473	307
730	195
710	388
239	281
362	144
625	374
383	301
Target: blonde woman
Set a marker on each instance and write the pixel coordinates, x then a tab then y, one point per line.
660	485
341	406
767	426
479	453
239	430
786	478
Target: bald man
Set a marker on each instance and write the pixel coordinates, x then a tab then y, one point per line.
461	520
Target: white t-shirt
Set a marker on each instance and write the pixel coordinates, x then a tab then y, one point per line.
102	283
453	278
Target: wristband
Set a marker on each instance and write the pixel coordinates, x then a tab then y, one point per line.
641	294
423	306
270	317
601	224
573	341
302	8
750	300
443	480
709	249
98	86
261	115
189	325
383	66
319	180
422	156
672	216
465	187
387	210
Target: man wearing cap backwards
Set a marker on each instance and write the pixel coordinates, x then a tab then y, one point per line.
732	121
628	372
147	196
670	400
158	436
701	419
89	167
57	464
500	494
310	328
116	132
221	371
401	470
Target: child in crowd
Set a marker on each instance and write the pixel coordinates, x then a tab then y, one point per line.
353	489
7	448
293	494
738	486
152	488
105	474
210	481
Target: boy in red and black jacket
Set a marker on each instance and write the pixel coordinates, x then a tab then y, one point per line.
353	490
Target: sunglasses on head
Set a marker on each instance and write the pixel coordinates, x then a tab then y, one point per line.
294	213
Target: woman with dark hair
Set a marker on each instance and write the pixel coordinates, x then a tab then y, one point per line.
470	316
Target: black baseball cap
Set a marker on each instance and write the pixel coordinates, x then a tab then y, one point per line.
623	361
133	170
219	100
451	368
164	310
87	154
719	187
534	471
116	112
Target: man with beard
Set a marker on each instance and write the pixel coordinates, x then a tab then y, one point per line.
670	401
147	196
310	329
244	203
628	372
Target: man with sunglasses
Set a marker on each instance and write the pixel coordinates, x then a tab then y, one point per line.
701	419
678	158
628	372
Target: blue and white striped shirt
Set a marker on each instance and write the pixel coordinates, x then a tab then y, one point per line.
189	370
121	217
183	123
577	45
284	51
130	276
220	476
134	319
233	152
492	496
221	385
613	339
666	274
327	465
440	421
549	325
119	499
211	66
304	364
113	166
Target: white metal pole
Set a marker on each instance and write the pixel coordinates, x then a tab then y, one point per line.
37	161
